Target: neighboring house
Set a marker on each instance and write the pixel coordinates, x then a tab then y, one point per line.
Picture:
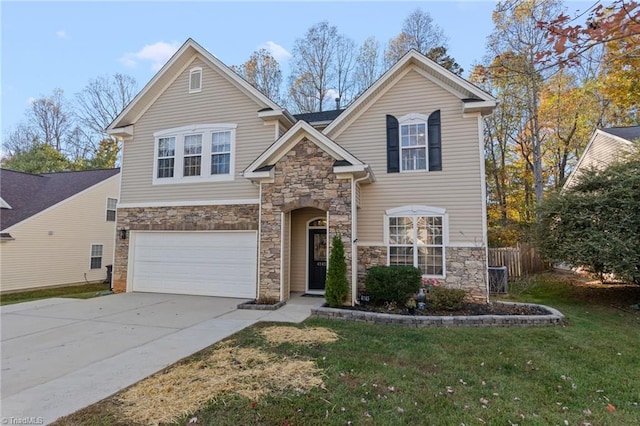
57	228
225	193
604	147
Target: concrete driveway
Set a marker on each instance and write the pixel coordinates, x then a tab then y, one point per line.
60	355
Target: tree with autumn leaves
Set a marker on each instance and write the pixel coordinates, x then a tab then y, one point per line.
550	100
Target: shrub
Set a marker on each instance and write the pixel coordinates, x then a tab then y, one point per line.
595	223
337	286
448	299
392	283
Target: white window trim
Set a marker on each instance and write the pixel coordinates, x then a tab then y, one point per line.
206	130
185	155
192	71
91	256
414	118
114	210
415	212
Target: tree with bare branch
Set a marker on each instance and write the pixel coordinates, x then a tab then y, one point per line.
367	64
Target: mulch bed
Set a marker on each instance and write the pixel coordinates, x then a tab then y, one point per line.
467	309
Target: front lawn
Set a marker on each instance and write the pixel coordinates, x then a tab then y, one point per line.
584	373
84	291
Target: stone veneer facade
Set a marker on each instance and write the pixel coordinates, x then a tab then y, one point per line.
188	218
303	177
466	268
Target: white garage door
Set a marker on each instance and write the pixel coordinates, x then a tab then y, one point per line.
199	263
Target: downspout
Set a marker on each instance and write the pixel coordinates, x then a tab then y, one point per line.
259	239
483	189
354	238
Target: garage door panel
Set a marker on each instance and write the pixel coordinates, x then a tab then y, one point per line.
203	263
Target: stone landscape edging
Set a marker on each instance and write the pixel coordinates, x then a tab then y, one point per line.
554	317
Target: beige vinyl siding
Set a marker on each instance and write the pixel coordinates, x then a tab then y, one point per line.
299	220
282	130
37	259
603	151
457	188
218	102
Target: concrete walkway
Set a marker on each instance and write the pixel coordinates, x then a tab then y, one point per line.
60	355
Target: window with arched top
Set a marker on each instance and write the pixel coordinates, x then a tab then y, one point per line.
416	236
318	223
199	152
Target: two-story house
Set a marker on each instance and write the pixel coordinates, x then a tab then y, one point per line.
225	193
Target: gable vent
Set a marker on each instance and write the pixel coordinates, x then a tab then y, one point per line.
195	80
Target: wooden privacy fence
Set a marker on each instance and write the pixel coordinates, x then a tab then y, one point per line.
520	260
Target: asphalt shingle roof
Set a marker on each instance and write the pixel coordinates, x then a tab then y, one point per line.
629	133
314	117
28	194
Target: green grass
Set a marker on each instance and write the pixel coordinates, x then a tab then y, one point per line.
84	291
586	372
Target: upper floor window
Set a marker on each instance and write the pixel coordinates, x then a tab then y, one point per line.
199	152
220	153
166	154
192	155
195	80
413	146
111	209
414	143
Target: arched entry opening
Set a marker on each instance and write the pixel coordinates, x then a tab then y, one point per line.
309	250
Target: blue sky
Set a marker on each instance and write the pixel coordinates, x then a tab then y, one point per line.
50	44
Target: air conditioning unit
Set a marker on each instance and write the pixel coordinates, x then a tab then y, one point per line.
498	279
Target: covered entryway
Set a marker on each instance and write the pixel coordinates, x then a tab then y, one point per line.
208	263
308	250
304	169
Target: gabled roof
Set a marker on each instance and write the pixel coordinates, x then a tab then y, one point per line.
612	134
29	194
262	167
628	133
171	70
473	98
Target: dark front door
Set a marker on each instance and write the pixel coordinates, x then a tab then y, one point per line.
317	259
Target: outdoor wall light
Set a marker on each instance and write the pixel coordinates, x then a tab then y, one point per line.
123	234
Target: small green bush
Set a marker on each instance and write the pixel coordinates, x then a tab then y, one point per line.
448	299
392	283
337	285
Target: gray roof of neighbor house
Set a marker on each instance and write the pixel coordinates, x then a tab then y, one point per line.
629	133
28	194
315	117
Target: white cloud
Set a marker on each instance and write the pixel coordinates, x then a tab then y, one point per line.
62	34
30	100
277	51
158	54
331	95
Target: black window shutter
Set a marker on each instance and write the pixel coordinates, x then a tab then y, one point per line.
435	142
393	145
